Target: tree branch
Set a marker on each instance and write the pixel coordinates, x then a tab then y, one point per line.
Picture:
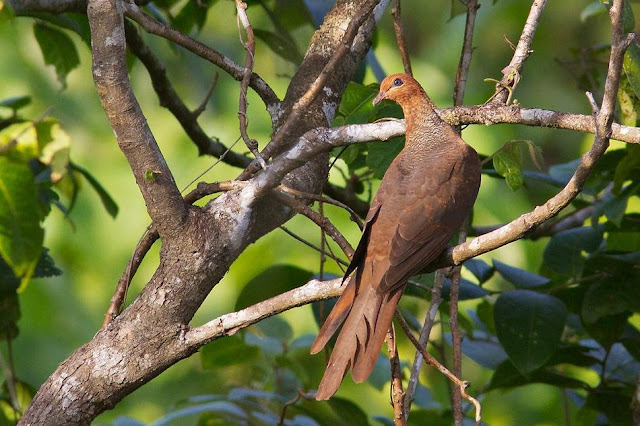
164	202
170	99
511	73
152	26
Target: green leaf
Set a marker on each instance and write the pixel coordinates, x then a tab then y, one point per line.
54	144
529	326
336	411
19	141
613	402
292	14
271	282
6	12
57	49
276	327
480	269
595	8
563	253
20	233
9	315
631	68
457	8
191	15
467	290
507	376
15	102
381	154
628	168
231	350
508	163
623	241
627	108
109	204
356	105
519	277
281	46
612	288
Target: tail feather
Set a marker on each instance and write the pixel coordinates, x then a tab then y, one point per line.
360	339
336	316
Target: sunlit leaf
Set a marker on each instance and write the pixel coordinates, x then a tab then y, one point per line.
19	141
57	49
20	233
6	12
508	164
54	144
529	326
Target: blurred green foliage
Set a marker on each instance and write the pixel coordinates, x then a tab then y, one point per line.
556	317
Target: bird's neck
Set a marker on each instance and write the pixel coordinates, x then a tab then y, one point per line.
425	128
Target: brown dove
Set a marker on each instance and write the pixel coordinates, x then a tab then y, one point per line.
424	197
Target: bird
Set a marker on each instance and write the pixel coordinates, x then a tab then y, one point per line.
424	197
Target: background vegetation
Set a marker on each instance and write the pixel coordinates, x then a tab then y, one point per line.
91	248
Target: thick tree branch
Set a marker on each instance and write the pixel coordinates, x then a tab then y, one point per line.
164	202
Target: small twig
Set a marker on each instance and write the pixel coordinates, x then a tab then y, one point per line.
511	73
319	220
149	237
198	111
13	142
400	40
461	384
465	55
250	47
397	394
436	300
300	395
456	337
313	246
152	26
352	215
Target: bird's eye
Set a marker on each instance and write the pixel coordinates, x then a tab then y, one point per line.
397	82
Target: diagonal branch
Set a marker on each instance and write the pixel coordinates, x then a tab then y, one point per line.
152	26
164	202
511	73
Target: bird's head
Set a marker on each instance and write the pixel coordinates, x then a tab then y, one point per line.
398	87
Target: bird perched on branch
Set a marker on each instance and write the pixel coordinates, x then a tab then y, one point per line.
425	196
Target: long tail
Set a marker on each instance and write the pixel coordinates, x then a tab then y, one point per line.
361	337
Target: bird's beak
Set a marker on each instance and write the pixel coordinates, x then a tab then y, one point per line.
380	97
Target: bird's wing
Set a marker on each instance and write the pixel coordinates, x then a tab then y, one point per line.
434	212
